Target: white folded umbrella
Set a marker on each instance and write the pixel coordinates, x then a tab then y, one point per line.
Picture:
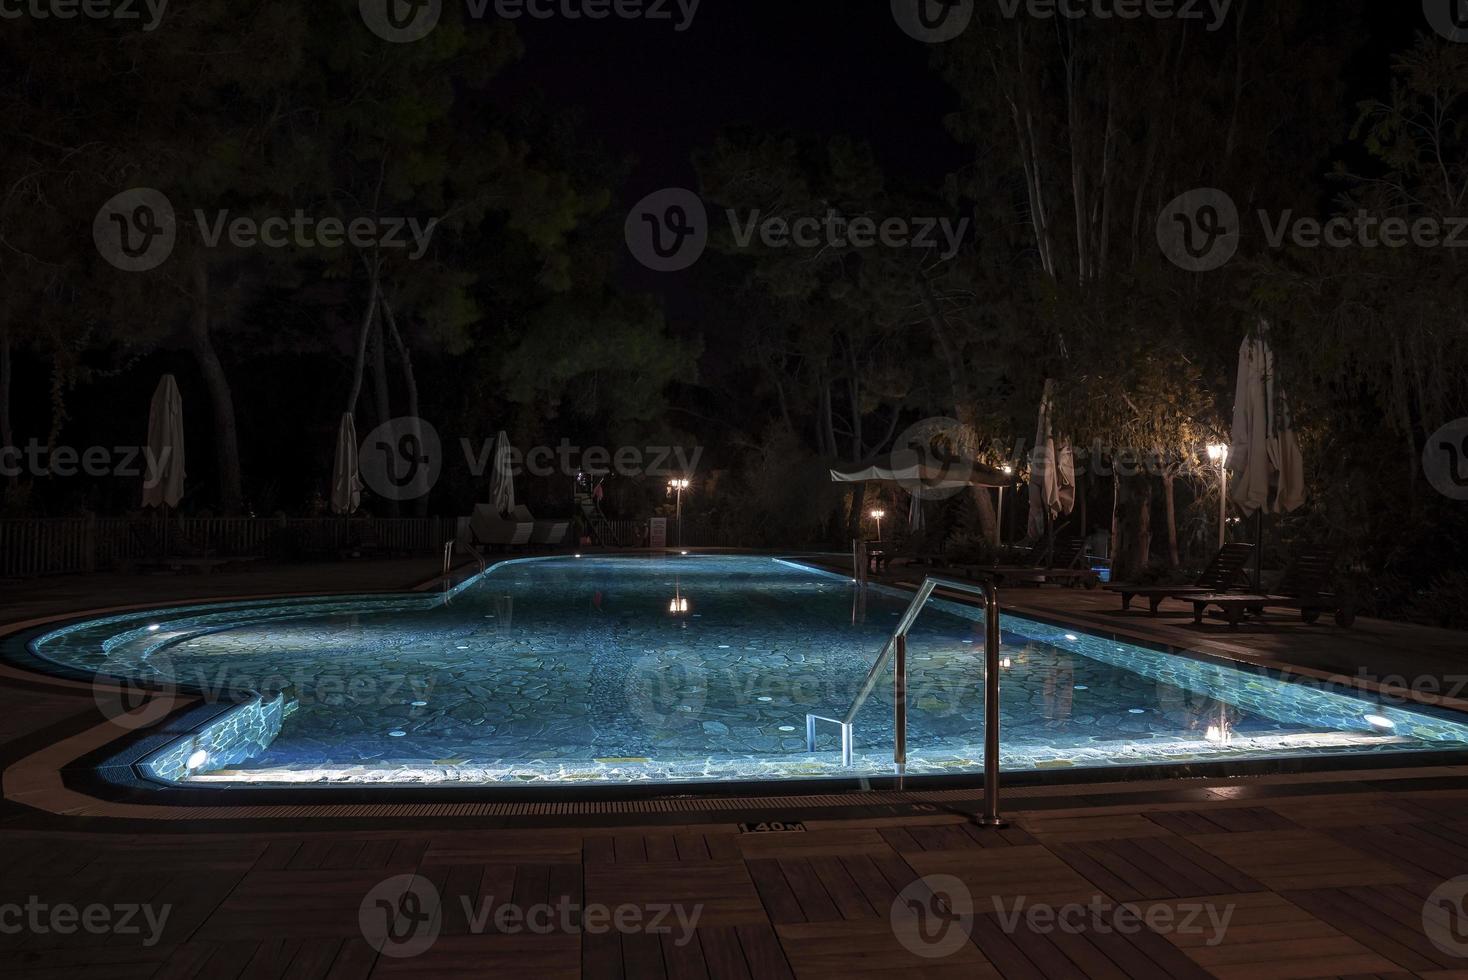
346	480
164	484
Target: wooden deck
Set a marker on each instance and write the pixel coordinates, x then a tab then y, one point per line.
1307	888
1338	875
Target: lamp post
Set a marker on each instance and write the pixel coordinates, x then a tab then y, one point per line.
877	516
1008	471
678	486
1219	454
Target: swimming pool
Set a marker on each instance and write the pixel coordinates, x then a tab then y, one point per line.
667	670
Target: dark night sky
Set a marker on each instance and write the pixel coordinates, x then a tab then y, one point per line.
814	65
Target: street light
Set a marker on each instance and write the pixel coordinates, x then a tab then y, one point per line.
877	516
678	486
1219	454
1008	471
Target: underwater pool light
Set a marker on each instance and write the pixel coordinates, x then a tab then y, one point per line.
154	628
197	760
1377	721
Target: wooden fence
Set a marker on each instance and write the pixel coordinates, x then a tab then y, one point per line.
33	547
69	545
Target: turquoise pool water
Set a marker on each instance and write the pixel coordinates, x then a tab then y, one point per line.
649	670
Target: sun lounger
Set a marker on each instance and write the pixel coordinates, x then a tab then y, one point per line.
552	533
488	527
1066	564
1303	588
1223	573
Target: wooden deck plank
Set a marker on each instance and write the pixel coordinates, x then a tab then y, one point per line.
774	891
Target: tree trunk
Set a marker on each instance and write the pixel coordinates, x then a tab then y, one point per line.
963	405
364	333
1134	527
410	383
7	437
854	515
226	433
1114	548
381	399
1169	502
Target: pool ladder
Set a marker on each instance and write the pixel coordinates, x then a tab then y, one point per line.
896	648
448	559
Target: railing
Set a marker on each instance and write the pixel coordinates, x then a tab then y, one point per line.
897	647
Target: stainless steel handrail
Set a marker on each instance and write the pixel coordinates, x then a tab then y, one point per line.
897	646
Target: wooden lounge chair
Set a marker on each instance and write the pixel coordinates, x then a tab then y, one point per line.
489	528
552	533
1066	565
1223	573
1302	587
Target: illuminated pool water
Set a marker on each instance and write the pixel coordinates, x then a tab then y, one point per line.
687	668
